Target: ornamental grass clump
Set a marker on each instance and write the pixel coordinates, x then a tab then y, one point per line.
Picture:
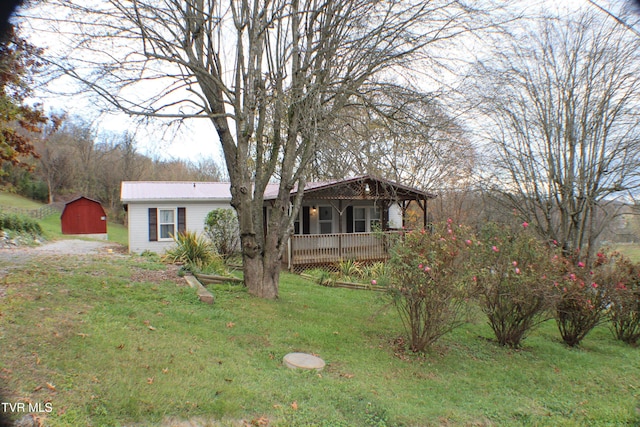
582	300
513	279
190	249
622	281
425	282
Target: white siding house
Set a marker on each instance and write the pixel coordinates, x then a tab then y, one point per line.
157	210
337	220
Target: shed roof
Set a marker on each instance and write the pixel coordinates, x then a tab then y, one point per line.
80	198
73	202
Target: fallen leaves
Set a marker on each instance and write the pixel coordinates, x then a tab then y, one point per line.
259	422
148	323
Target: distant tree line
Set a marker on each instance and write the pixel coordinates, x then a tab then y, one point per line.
55	158
72	158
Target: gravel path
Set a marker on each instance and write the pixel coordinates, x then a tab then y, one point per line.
19	255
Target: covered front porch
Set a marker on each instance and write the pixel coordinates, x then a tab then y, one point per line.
314	249
352	219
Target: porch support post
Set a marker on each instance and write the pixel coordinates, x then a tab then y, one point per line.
340	229
424	213
290	253
384	213
423	206
405	208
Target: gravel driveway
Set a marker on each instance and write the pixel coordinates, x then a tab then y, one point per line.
19	255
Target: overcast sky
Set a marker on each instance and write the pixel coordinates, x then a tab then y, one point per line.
197	139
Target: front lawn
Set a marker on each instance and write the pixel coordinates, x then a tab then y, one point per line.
113	341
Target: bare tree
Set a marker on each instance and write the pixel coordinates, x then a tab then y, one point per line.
405	138
270	75
560	119
56	162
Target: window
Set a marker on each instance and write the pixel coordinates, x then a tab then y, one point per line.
374	219
167	223
359	220
325	219
162	223
302	227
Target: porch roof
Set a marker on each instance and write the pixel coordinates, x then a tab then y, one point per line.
363	187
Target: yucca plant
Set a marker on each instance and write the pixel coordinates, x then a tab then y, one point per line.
191	249
350	268
374	271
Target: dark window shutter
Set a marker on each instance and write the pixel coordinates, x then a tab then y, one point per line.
182	220
153	224
349	219
306	220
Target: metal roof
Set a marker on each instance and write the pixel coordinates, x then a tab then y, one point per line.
138	191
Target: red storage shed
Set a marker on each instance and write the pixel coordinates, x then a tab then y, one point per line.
84	216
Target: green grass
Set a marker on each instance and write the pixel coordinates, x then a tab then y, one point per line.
16	201
630	250
51	227
118	233
115	341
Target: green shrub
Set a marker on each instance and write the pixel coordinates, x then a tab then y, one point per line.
215	265
350	269
513	275
19	223
425	283
621	278
582	301
190	249
221	226
376	271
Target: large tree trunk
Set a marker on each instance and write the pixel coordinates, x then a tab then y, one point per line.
260	256
261	277
261	266
262	252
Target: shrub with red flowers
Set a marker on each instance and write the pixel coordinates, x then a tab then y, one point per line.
622	279
426	270
582	300
513	276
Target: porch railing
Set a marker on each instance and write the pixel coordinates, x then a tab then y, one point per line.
310	249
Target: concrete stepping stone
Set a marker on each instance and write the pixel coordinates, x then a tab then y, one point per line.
303	361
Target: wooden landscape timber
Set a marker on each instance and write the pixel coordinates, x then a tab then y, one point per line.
346	285
210	279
